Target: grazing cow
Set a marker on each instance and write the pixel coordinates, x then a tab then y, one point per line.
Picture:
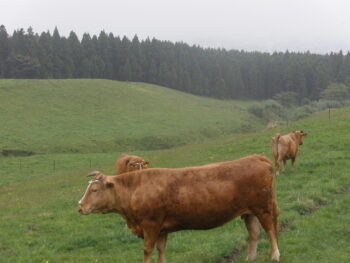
286	147
158	201
128	163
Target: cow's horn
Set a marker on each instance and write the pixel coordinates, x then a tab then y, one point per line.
94	173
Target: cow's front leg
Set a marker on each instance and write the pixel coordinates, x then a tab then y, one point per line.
150	235
293	164
161	245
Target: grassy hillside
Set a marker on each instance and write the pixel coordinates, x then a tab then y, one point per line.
108	116
39	222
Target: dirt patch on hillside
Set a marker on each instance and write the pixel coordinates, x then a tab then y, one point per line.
15	153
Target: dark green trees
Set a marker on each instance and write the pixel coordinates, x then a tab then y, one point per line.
207	72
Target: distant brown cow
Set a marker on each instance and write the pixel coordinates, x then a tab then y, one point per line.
128	163
158	201
286	147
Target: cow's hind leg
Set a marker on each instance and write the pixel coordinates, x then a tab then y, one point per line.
253	227
150	235
278	166
161	245
269	223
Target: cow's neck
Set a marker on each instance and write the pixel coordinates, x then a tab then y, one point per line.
294	138
122	196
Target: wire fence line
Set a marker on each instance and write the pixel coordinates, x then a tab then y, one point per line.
49	165
26	165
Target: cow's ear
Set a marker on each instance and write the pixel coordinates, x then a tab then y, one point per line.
146	162
109	184
304	134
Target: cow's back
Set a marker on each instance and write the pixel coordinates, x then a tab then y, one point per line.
287	146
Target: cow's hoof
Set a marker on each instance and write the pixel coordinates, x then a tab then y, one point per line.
276	257
251	258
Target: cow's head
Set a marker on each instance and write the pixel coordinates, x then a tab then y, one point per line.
99	195
299	136
137	165
128	163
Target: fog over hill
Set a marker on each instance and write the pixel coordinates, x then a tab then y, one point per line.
319	26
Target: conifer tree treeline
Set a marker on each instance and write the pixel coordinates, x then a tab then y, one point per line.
203	71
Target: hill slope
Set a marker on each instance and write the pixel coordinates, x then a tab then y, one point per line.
103	116
39	221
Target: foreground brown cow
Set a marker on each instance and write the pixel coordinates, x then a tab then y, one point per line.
286	147
158	201
128	163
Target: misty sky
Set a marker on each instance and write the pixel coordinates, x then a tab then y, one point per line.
265	25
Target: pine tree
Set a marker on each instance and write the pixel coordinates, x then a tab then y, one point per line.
4	50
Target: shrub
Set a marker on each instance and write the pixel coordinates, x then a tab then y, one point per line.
287	99
267	110
337	92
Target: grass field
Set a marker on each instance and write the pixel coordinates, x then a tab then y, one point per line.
55	116
39	222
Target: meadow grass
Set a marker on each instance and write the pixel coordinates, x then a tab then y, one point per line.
68	116
39	221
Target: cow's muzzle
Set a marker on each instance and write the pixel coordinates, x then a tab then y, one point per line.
82	211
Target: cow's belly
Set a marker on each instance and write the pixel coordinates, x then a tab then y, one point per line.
203	217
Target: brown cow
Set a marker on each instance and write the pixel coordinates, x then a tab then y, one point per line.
286	147
128	163
158	201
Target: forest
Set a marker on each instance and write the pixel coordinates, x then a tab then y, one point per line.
210	72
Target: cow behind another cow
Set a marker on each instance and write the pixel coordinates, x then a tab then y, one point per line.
157	201
128	163
286	147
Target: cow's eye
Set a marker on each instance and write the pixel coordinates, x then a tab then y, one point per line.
94	190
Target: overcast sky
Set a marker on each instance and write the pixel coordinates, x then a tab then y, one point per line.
319	26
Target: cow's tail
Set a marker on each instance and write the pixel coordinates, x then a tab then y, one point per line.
275	142
271	174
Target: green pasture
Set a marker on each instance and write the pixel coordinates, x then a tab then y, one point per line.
39	194
55	116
